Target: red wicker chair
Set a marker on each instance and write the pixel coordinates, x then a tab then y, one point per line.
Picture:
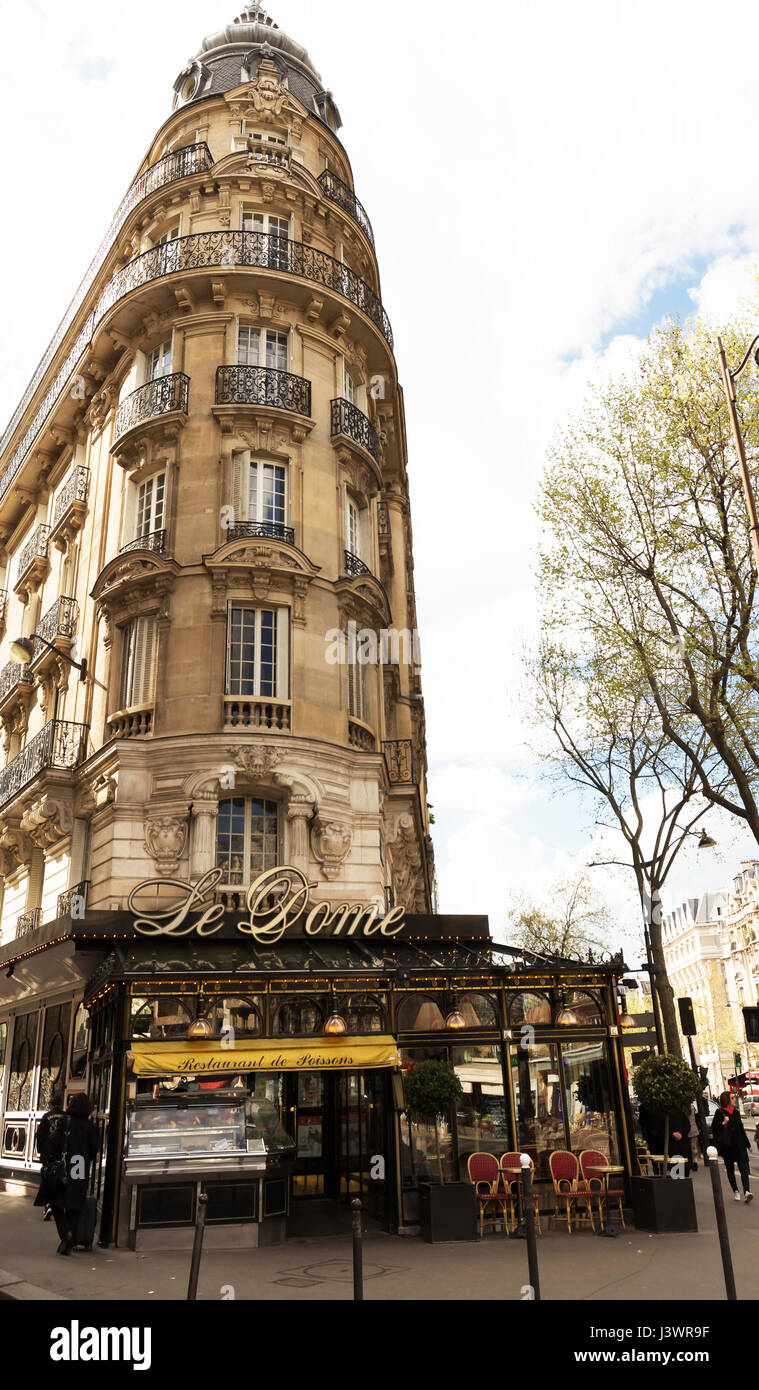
589	1158
565	1171
511	1167
485	1176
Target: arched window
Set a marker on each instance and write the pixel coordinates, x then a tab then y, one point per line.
299	1017
478	1010
163	1016
247	838
363	1014
418	1013
579	1008
243	1016
530	1010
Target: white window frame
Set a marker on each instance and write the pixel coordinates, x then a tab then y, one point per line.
247	871
353	528
157	506
281	691
139	642
161	355
241	470
257	344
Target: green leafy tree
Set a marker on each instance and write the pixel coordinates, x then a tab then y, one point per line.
431	1090
572	922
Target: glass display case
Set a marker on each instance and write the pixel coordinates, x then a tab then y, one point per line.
186	1130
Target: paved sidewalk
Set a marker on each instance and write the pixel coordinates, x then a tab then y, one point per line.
578	1267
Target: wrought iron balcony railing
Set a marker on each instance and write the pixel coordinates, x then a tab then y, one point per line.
59	745
10	676
256	250
3	604
73	902
59	621
161	397
28	922
36	548
76	490
340	193
180	164
263	386
244	529
383	521
156	542
399	760
351	423
354	566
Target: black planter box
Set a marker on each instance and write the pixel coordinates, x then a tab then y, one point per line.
664	1204
447	1211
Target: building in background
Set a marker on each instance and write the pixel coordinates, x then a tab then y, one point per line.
693	938
740	950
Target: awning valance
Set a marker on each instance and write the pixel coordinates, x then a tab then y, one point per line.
266	1054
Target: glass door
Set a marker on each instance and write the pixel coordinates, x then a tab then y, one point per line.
308	1105
364	1149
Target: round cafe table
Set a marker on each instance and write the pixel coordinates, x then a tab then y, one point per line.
606	1171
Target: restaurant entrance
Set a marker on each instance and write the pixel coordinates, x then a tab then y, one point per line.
340	1122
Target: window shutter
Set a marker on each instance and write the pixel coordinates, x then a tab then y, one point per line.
240	482
283	654
144	662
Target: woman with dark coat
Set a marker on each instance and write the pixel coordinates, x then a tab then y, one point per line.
679	1145
732	1145
76	1142
48	1126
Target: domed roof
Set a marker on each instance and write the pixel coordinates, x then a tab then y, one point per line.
231	56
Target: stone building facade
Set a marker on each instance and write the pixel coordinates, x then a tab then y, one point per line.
694	936
204	496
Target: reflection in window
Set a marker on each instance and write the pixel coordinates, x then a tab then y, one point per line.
162	1017
417	1013
241	1015
362	1014
481	1116
53	1061
3	1046
425	1154
478	1010
579	1008
592	1122
531	1009
22	1062
78	1064
299	1016
538	1099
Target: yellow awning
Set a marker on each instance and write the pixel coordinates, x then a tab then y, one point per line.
267	1054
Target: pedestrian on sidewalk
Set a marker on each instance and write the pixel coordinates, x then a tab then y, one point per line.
65	1179
45	1134
731	1143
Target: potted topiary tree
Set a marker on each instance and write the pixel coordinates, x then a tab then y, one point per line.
447	1211
665	1087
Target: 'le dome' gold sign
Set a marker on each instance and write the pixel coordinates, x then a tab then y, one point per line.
266	922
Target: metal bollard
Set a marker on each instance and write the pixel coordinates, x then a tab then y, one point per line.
358	1253
529	1217
197	1249
712	1158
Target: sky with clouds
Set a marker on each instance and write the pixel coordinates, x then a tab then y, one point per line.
546	182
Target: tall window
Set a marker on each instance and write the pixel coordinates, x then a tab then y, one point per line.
356	691
262	347
169	244
259	490
150	505
138	663
247	838
257	655
350	388
276	229
353	529
159	361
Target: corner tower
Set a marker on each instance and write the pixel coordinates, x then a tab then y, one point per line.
203	493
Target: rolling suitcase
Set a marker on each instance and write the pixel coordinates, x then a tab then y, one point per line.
85	1226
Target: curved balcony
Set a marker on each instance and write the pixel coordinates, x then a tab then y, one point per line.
348	422
156	542
181	164
246	250
168	395
59	745
354	566
70	507
263	386
245	530
340	193
33	562
11	676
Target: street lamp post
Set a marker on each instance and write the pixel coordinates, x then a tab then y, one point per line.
728	380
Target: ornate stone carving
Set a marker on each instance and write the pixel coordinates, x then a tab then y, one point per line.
267	92
331	844
47	821
15	848
299	813
405	857
165	840
258	763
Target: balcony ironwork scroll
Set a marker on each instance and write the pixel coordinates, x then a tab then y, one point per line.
36	548
28	922
59	745
76	490
156	542
383	521
244	530
3	604
12	675
263	386
59	621
180	164
399	760
160	397
354	566
67	899
339	192
350	422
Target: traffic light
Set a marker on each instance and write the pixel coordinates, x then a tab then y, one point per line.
687	1019
751	1021
703	1077
737	1060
